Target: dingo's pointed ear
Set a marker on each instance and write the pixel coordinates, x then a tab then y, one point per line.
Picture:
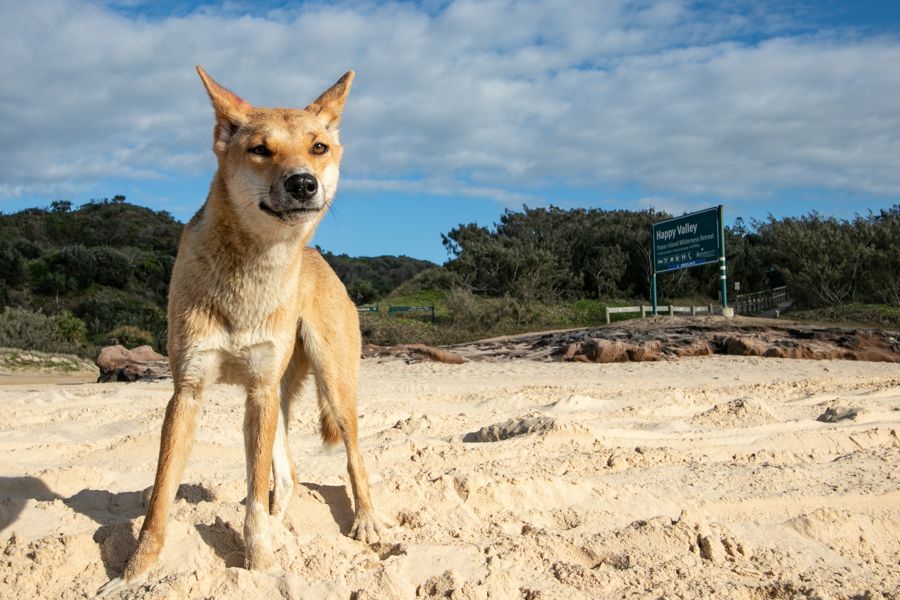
231	109
329	106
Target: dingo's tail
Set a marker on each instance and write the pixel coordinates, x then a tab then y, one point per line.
328	427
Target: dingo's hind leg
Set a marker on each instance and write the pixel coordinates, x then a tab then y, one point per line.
336	370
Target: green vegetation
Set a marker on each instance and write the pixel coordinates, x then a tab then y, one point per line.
873	315
22	328
72	280
370	278
548	254
70	277
129	336
462	316
17	361
551	268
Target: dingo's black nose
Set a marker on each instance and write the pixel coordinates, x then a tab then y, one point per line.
301	186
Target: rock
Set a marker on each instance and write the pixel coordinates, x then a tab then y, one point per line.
617	462
675	337
441	586
744	346
740	412
145	353
839	413
512	428
117	363
412	353
604	351
711	547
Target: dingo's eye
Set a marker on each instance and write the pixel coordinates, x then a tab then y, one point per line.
260	150
319	148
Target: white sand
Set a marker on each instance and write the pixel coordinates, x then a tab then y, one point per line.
706	477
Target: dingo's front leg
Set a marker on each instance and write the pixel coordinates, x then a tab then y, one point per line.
174	447
283	470
260	422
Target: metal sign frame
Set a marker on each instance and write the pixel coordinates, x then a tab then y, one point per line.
689	252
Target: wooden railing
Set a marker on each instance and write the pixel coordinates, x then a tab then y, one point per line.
396	310
670	309
748	304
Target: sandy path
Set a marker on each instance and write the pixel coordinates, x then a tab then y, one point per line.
705	477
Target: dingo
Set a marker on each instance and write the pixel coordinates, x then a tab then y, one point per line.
250	304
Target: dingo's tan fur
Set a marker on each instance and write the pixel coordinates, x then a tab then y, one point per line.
250	304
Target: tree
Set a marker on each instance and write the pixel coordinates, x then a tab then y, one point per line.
880	280
605	267
60	206
820	258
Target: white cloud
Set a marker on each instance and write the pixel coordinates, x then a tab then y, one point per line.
473	98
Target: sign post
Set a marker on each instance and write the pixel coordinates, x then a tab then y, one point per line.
689	241
722	258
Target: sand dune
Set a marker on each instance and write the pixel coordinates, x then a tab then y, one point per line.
702	477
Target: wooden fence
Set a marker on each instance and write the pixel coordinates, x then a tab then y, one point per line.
748	304
669	309
395	310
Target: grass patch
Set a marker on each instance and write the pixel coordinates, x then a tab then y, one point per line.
16	361
874	315
461	316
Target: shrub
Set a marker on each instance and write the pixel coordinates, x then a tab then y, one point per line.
108	309
21	328
388	331
436	278
487	314
130	337
70	328
362	291
12	264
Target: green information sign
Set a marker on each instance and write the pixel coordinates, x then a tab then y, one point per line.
689	241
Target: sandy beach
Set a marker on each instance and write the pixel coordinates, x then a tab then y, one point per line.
701	477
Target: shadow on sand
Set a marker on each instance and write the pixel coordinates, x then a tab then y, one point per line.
113	512
338	502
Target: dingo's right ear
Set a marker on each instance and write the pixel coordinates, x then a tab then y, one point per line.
231	110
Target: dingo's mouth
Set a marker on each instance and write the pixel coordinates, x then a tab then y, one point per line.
287	213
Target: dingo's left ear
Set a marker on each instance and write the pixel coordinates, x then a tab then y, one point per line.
329	106
231	110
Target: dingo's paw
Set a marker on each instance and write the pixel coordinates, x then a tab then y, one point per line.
259	557
366	528
112	586
136	568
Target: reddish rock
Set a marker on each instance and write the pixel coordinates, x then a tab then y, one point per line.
744	346
669	337
412	353
117	363
648	351
699	347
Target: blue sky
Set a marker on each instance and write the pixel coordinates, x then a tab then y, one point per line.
462	109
